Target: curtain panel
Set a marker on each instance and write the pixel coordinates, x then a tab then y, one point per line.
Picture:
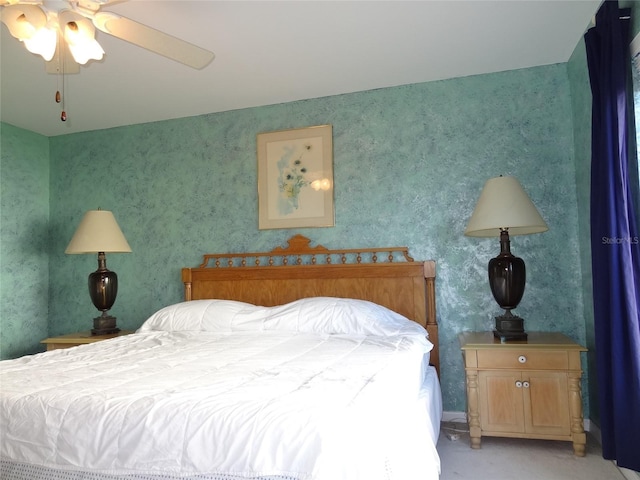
614	238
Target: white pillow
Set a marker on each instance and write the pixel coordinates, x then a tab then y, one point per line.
330	315
198	315
322	315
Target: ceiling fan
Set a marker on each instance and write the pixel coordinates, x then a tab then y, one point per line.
63	33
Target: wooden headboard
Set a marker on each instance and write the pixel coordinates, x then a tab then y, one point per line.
387	276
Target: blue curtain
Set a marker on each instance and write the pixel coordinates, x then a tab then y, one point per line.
614	238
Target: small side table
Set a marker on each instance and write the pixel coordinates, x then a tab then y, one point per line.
524	388
79	338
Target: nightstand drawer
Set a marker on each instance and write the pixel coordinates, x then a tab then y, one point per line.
523	359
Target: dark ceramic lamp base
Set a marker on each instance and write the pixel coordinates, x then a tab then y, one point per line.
509	327
103	325
507	276
103	288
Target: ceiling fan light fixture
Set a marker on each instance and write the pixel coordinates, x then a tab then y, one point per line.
79	36
42	42
86	51
23	20
23	29
74	23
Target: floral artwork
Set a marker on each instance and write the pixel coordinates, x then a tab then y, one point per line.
292	178
295	178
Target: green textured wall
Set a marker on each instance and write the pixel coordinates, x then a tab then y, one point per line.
24	248
409	164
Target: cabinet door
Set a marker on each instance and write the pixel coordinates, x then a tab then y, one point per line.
501	401
546	403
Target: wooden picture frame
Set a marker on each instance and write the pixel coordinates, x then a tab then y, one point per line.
295	178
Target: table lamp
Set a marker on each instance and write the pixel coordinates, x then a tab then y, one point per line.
505	209
99	233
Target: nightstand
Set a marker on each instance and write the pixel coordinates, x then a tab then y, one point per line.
79	338
524	388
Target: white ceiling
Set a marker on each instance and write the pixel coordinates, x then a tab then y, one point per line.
273	52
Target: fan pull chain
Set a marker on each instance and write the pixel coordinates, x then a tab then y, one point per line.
63	114
61	97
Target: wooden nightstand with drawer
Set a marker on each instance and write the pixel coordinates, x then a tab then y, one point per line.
79	338
525	388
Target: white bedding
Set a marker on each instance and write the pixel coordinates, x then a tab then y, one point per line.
227	390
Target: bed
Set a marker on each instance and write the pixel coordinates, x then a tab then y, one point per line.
293	364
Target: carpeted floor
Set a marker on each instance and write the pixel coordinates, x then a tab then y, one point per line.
520	459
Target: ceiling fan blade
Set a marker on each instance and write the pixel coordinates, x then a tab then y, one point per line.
153	40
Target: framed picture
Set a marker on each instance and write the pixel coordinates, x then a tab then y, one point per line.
295	178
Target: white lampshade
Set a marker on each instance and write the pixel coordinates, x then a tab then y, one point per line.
98	232
503	204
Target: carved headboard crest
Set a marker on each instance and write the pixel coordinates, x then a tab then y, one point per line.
299	250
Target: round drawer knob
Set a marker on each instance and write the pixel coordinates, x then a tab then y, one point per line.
519	384
522	359
525	384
